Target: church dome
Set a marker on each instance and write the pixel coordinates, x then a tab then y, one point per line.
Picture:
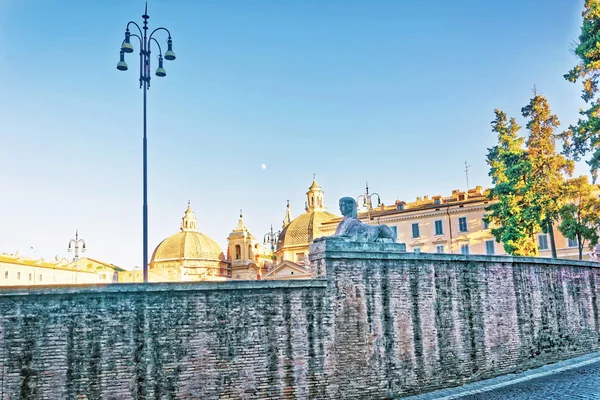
189	244
308	226
304	229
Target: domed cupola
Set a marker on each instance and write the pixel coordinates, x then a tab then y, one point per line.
189	249
298	234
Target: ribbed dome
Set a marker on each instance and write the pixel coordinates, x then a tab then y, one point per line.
304	229
188	245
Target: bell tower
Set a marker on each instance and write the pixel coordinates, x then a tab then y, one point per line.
242	253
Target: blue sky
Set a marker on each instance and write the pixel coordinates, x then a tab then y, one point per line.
400	93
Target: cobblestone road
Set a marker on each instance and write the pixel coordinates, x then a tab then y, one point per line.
578	383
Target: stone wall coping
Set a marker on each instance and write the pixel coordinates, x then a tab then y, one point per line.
160	287
337	249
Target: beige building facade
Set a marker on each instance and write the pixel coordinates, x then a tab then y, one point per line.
453	224
16	270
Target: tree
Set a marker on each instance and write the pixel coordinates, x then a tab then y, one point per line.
514	213
580	217
548	168
585	135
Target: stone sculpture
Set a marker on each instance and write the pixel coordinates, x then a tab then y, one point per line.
352	230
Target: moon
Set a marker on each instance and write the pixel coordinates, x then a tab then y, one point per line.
263	166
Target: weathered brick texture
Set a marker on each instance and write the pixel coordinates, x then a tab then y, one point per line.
378	323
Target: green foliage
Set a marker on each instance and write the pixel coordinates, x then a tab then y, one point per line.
584	137
580	218
512	213
548	167
527	181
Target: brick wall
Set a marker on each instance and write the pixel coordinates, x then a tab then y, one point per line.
404	323
376	323
231	340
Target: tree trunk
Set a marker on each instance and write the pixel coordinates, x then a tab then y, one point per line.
551	233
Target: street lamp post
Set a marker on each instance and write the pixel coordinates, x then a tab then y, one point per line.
127	47
273	238
367	202
74	244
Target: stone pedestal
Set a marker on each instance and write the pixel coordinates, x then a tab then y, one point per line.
337	249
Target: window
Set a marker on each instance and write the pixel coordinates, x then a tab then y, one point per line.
40	277
415	230
484	222
18	275
462	224
299	257
30	276
238	252
440	248
400	207
439	227
437	201
5	274
543	242
394	231
464	249
490	247
572	242
417	250
103	276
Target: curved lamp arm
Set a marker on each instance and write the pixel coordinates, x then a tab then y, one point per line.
378	198
159	29
358	201
158	44
137	36
137	26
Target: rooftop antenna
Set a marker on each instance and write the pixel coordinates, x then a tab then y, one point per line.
467	175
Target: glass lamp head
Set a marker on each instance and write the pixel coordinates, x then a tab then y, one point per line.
122	65
160	71
169	54
126	46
